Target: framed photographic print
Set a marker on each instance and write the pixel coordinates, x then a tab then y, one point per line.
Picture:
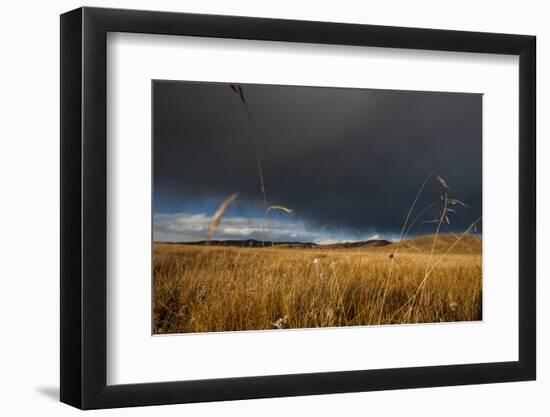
258	208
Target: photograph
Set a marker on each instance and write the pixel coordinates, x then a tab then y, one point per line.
291	207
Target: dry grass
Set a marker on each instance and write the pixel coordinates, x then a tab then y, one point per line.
211	289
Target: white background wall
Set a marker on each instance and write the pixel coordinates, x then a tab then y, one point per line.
29	178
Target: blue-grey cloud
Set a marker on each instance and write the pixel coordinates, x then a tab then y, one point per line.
187	227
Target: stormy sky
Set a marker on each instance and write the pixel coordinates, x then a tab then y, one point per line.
348	162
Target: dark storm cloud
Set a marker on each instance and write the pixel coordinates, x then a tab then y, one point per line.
346	159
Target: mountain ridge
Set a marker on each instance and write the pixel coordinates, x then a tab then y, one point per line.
467	244
253	243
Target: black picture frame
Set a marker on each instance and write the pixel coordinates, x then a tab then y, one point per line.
84	207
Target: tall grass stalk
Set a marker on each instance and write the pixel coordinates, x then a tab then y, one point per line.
393	258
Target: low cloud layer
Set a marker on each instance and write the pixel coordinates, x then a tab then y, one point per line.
185	227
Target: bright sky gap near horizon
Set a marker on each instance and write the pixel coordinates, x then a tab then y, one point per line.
348	161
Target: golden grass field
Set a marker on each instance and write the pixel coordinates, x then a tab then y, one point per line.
212	288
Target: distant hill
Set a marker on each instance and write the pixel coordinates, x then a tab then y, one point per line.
468	244
374	243
252	243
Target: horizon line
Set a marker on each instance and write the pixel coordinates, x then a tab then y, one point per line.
342	242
